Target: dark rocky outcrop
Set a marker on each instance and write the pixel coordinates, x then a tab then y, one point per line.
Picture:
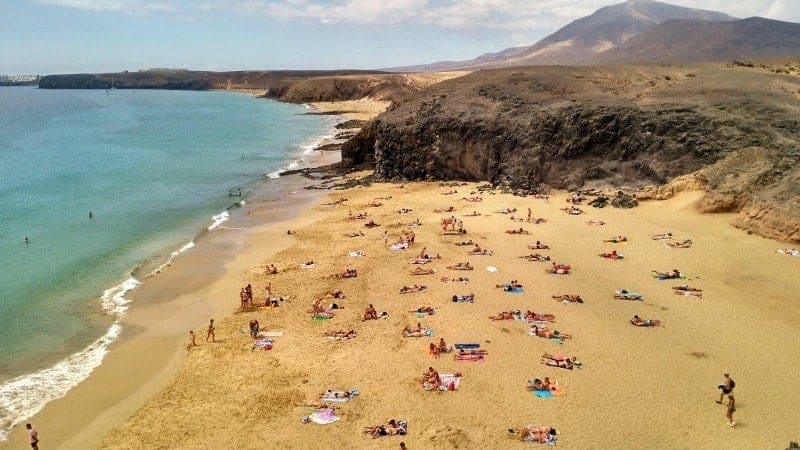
533	128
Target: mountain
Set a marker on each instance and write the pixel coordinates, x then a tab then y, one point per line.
697	40
582	40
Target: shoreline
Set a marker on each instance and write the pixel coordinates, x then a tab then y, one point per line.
129	336
227	395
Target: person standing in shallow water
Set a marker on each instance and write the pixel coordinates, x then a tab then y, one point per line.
210	332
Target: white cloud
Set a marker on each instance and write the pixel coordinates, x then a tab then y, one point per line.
512	15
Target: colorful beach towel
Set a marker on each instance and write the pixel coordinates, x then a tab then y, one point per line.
262	344
514	290
401	246
543	394
322	417
467	345
450	382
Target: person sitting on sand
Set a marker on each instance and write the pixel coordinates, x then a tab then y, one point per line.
348	273
560	269
272	270
370	313
412	289
612	255
616	239
560	361
541	385
465	243
546	333
433	350
371	224
421	271
671	275
538	246
635	320
431	379
569	298
443	347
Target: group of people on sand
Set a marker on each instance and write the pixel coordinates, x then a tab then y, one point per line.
246	296
372	314
438	349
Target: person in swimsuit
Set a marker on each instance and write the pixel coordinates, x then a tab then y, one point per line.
726	387
33	434
731	410
192	342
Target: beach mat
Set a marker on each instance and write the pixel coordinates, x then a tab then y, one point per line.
323	417
543	394
467	346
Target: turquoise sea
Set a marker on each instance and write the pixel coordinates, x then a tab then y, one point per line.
154	168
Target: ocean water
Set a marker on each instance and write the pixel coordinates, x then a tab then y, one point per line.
154	168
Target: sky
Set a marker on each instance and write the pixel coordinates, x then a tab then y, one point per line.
65	36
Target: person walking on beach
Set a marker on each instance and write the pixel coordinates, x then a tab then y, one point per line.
33	434
731	410
726	387
192	342
385	238
210	332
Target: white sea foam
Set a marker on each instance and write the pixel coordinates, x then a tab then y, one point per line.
26	395
305	150
219	219
171	258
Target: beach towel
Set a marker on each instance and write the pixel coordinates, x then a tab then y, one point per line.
514	290
492	269
467	345
422	314
322	417
543	394
306	266
400	246
334	396
320	318
357	254
263	344
556	340
789	252
450	382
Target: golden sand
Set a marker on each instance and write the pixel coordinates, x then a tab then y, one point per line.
638	388
362	109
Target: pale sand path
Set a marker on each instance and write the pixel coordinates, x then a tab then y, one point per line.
639	388
362	109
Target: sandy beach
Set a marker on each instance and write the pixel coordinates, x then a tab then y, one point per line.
638	387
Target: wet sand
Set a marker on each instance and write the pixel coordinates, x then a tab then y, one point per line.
639	387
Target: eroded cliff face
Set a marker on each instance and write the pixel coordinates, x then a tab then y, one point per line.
534	128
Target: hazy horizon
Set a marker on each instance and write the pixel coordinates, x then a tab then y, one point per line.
67	36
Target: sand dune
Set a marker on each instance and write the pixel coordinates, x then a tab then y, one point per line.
638	388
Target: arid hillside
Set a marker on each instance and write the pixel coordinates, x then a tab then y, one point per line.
736	129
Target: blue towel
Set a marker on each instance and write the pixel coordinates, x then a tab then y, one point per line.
465	346
543	394
515	291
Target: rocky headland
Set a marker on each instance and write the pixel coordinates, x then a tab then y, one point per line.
730	130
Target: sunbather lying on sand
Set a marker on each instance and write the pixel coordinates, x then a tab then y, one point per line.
334	393
412	289
357	216
316	404
661	236
467	298
540	435
417	331
569	298
354	234
789	251
371	224
472	351
341	334
415	223
465	243
510	286
440	210
538	246
347	273
475	199
612	255
317	307
616	239
461	266
572	210
560	361
375	204
537	221
671	275
623	294
429	310
506	211
686	287
536	257
473	214
559	269
546	333
455	280
420	261
506	315
635	320
684	243
518	231
391	428
531	316
404	210
595	222
469	357
450	192
421	271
